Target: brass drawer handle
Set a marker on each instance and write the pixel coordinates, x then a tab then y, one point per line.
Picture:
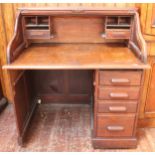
115	128
116	81
94	83
52	36
117	109
119	95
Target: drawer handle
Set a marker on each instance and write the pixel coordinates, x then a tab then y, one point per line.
52	36
117	109
115	128
119	95
116	81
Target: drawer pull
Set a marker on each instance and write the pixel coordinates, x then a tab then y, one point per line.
115	128
117	109
117	81
119	95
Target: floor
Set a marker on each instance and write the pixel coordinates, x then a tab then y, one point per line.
60	128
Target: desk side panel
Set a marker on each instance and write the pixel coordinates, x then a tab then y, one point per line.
23	101
17	43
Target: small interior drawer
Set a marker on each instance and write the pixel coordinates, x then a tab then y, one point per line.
118	93
117	34
115	125
121	78
117	106
38	34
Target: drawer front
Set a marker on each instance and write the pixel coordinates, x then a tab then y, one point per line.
118	93
115	125
117	106
38	34
120	78
117	34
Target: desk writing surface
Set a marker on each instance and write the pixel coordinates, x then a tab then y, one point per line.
76	56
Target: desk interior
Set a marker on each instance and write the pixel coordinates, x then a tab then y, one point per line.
76	56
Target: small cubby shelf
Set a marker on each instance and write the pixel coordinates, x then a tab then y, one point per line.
37	27
118	22
37	22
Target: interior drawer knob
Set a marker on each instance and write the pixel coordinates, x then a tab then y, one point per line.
117	81
115	128
117	109
119	95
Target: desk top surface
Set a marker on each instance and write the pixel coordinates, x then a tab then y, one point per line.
77	56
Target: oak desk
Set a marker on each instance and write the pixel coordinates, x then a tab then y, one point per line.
80	55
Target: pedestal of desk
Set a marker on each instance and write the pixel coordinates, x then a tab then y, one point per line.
117	94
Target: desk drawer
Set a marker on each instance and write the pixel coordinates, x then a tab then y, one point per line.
118	93
117	34
38	34
115	125
121	78
117	106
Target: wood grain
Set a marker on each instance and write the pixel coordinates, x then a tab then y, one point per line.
150	108
3	46
147	108
62	56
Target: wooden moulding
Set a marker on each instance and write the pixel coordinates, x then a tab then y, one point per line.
77	11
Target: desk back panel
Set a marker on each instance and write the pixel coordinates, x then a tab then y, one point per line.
77	29
62	86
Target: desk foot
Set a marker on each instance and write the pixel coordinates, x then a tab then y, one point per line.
3	104
113	143
20	141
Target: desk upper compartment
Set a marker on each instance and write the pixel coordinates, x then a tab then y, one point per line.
84	38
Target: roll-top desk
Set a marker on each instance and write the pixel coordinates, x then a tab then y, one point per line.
80	55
